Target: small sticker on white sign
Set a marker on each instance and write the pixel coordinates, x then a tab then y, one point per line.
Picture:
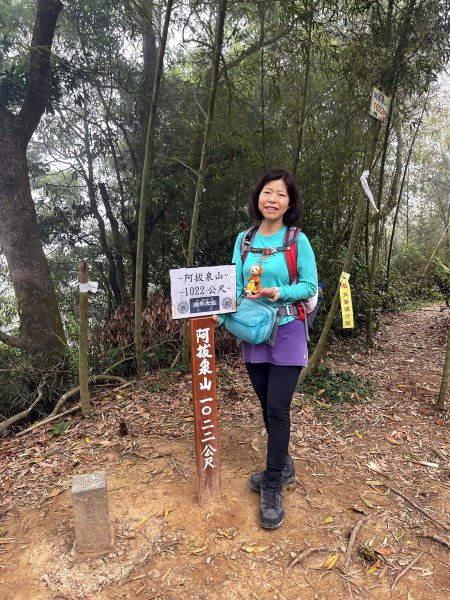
201	291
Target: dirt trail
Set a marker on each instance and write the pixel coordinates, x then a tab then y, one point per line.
166	547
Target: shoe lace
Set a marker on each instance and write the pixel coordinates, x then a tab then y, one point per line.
271	495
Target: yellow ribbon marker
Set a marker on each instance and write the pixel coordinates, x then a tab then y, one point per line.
346	301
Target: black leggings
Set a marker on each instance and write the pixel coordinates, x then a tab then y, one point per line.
274	385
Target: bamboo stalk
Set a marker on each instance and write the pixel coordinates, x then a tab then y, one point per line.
149	146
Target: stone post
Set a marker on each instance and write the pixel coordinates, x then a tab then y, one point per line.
90	506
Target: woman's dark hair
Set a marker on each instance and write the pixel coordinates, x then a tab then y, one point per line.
295	210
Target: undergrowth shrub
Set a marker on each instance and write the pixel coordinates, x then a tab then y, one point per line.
20	376
337	387
161	338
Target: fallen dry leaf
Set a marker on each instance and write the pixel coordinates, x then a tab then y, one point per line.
55	492
374	483
198	550
394	440
385	550
358	509
251	549
425	463
368	503
139	524
376	468
227	534
383	572
376	565
426	412
330	562
328	520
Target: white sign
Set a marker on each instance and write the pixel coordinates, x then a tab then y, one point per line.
203	291
379	105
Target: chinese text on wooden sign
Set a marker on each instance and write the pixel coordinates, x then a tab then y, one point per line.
205	408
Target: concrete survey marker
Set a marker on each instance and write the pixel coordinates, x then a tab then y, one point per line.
90	506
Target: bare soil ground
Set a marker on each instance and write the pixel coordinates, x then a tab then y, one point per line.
346	534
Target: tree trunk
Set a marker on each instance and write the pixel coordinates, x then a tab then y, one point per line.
316	358
444	381
41	329
386	210
217	51
148	17
218	38
149	149
117	242
92	195
376	234
388	80
301	127
262	34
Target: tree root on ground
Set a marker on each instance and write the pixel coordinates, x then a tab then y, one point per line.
76	390
306	553
4	425
405	570
419	508
348	557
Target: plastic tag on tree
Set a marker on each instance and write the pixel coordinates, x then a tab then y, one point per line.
90	286
346	301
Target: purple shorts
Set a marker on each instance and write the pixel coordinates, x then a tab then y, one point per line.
290	349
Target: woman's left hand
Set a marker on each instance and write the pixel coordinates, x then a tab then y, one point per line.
271	293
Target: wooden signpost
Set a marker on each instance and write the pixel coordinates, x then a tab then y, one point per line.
85	287
197	294
204	389
85	401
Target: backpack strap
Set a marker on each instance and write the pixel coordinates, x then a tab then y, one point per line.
246	242
290	241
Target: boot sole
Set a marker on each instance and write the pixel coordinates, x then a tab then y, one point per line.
257	488
266	526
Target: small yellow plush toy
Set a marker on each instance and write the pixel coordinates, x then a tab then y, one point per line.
254	281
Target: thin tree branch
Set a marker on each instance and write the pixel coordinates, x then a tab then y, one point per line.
76	390
9	340
252	49
4	425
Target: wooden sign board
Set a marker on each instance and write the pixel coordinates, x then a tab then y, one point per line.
201	291
198	293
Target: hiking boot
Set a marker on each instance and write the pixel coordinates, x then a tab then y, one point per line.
287	475
272	514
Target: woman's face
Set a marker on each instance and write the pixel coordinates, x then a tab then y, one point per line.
273	201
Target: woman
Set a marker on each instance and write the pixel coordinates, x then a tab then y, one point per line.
275	203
